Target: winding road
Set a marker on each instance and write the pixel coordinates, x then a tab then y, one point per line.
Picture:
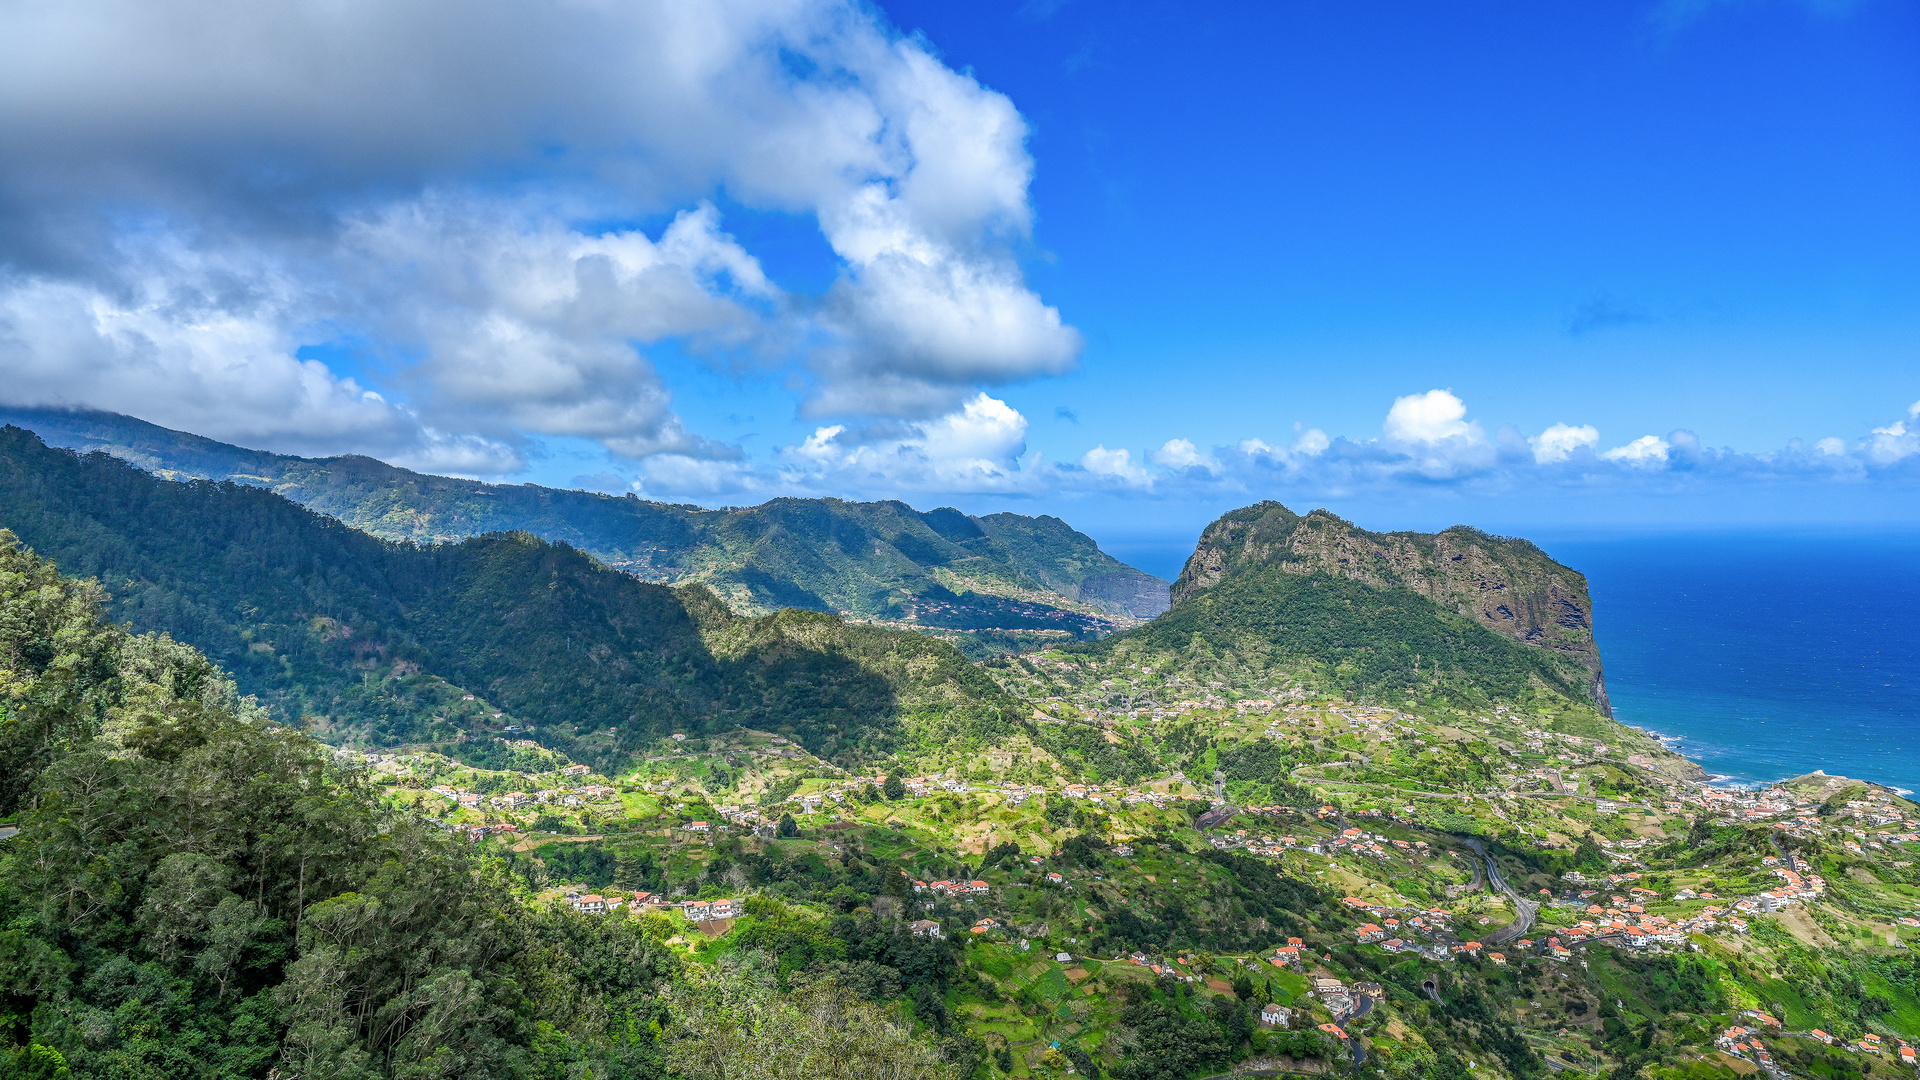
1524	908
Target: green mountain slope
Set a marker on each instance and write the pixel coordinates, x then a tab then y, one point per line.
398	642
195	893
1451	614
884	560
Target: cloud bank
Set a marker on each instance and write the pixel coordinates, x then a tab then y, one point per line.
460	197
1427	441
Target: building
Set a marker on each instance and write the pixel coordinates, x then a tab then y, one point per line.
1274	1015
726	909
925	928
591	904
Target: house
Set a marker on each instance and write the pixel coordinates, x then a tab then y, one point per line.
1498	958
697	910
978	888
575	770
590	904
925	928
1822	1036
983	926
1369	932
1274	1015
1055	879
726	909
1334	1030
600	791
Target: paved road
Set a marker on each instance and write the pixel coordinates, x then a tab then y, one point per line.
1793	864
1526	909
7	831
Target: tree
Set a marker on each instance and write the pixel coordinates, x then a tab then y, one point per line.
1082	1061
787	826
895	789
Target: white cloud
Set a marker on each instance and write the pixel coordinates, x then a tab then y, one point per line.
1560	441
1434	416
1182	454
974	449
980	449
1892	443
409	176
1647	451
1115	465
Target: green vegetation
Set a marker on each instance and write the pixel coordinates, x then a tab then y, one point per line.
386	641
882	560
195	892
942	868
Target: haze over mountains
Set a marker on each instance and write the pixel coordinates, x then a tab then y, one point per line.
996	580
389	641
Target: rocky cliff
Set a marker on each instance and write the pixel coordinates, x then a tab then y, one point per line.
1505	584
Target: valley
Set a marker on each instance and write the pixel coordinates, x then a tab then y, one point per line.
281	794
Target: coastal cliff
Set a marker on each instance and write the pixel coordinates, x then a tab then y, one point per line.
1505	584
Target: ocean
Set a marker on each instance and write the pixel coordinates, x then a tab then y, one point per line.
1761	656
1764	656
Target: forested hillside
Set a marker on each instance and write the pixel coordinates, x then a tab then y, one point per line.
385	641
1015	577
195	892
1396	618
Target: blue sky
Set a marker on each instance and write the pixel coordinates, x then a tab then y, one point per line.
1532	266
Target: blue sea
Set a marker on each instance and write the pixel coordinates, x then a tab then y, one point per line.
1761	656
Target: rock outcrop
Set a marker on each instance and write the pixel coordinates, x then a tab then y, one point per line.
1506	584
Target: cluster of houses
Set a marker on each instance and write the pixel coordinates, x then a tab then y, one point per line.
1744	1042
950	888
695	910
518	800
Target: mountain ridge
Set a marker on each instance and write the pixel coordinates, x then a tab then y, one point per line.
1021	577
1507	585
397	641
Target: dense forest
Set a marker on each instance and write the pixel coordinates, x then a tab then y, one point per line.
871	559
327	624
198	892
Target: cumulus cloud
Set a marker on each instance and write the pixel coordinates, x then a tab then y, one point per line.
1562	441
974	449
980	448
1183	454
207	189
1646	451
1115	465
1430	417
